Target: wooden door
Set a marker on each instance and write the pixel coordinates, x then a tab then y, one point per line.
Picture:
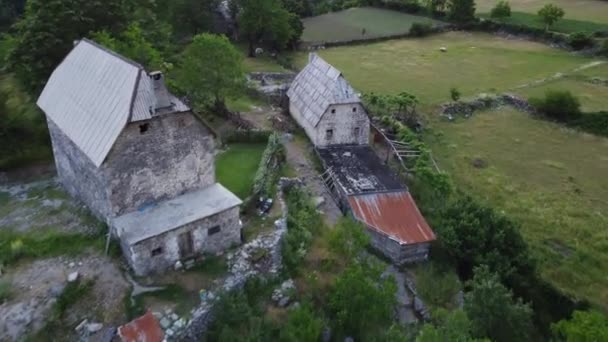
186	246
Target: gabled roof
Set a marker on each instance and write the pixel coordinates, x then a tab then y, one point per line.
142	329
394	214
318	86
94	93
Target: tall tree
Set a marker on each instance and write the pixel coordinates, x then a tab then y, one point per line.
132	44
584	326
550	14
10	11
493	311
461	11
211	70
265	19
453	326
49	28
191	17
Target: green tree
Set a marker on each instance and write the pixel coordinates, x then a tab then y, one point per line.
348	238
452	326
211	70
474	235
584	326
10	11
191	17
48	29
360	301
561	105
550	14
493	311
455	94
436	6
265	19
501	10
132	44
461	11
302	325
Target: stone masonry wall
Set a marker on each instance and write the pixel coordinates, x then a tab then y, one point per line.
174	155
78	175
397	253
143	262
343	123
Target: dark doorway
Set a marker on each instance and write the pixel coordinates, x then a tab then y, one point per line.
186	246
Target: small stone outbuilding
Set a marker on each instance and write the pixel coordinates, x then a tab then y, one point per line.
326	106
139	158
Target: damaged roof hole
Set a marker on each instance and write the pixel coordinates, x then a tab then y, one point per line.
143	128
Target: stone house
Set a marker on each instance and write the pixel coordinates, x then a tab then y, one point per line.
335	120
326	106
138	158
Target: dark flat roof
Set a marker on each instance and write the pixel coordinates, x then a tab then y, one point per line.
358	170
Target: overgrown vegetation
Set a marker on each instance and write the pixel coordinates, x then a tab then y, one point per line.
6	291
270	166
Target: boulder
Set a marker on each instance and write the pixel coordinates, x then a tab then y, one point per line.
319	201
178	265
94	327
72	277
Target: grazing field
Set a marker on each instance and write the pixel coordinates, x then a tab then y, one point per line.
565	25
236	167
349	24
551	179
593	97
584	10
474	63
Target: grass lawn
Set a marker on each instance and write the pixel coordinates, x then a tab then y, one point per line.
586	10
262	64
593	97
244	103
564	25
236	167
348	24
551	179
474	63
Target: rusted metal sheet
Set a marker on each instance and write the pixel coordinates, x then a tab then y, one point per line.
143	329
394	214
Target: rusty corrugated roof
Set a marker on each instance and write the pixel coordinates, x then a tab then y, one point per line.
143	329
394	214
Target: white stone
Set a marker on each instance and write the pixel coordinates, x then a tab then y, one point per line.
71	265
169	332
94	327
443	49
165	323
81	325
72	277
178	265
319	201
174	317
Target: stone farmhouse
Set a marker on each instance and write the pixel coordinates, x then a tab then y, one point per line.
326	106
139	158
335	120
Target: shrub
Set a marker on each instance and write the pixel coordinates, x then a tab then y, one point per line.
594	123
461	11
5	291
560	105
421	29
302	325
580	40
437	286
348	238
583	326
455	94
501	10
604	48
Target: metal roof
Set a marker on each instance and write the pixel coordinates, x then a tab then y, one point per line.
142	329
394	214
318	86
157	219
94	93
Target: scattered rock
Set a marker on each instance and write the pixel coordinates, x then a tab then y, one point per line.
178	265
479	163
349	339
259	51
319	201
283	302
189	264
72	277
94	327
443	49
81	325
326	334
169	332
174	317
165	323
56	290
71	265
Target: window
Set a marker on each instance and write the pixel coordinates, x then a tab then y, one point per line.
329	134
357	131
143	128
213	230
157	251
354	109
333	111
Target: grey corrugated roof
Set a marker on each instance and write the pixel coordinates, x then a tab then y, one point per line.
174	213
318	86
92	95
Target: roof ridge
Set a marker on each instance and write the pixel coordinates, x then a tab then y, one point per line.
113	53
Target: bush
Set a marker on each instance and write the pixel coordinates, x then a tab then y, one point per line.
302	324
421	29
5	291
437	286
583	326
501	10
269	167
580	40
455	94
247	136
604	48
594	123
560	105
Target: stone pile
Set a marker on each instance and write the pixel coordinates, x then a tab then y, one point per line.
282	295
484	102
171	323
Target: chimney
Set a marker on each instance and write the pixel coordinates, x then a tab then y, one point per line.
160	90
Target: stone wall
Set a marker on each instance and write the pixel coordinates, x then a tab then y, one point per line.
467	107
343	122
142	261
78	175
397	253
173	154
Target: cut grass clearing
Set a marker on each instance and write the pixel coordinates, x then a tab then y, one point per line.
236	167
549	178
474	63
586	10
349	24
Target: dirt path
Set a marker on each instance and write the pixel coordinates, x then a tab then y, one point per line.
558	75
298	157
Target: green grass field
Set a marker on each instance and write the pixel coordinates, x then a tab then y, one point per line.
551	179
349	24
565	25
583	10
593	97
236	167
474	63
